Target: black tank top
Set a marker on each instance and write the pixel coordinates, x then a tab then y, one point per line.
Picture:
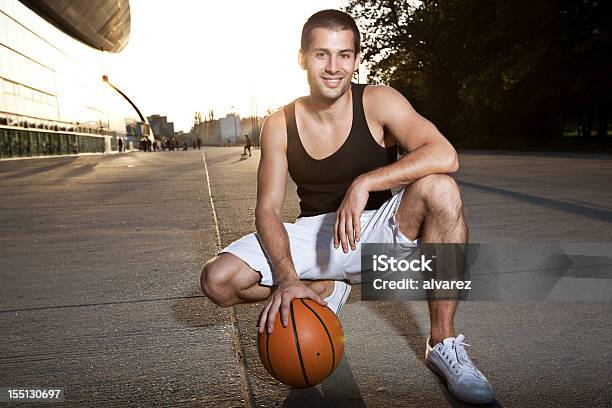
322	184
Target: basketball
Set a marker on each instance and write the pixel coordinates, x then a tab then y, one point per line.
308	350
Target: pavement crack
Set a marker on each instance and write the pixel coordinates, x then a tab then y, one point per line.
245	384
117	302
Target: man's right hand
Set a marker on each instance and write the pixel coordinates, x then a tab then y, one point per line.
281	299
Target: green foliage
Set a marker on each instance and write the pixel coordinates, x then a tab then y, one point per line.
496	73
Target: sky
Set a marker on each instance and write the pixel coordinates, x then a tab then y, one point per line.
186	56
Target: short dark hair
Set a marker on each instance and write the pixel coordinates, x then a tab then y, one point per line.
332	20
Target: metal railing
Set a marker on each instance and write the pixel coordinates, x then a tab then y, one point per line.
20	142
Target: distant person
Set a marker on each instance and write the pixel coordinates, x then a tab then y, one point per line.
155	145
120	144
185	146
148	142
194	145
247	146
199	143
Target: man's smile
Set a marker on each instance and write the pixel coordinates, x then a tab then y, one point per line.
332	82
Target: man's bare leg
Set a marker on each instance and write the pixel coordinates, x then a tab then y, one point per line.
432	209
227	280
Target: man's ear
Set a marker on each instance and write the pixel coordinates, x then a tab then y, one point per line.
302	59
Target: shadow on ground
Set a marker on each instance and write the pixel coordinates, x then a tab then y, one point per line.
32	167
403	320
581	210
339	391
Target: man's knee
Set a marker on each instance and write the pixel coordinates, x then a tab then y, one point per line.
216	281
440	194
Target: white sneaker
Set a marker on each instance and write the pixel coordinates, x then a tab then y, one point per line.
338	297
450	360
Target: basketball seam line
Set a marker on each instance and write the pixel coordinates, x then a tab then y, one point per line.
331	343
297	345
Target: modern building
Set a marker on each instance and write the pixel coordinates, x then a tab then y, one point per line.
162	129
208	132
52	96
218	132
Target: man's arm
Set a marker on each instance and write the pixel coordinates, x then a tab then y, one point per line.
271	182
428	153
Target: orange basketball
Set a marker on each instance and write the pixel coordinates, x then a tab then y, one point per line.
308	350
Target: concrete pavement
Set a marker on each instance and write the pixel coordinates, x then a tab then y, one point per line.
101	257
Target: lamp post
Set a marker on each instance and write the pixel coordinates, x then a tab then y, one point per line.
234	119
140	115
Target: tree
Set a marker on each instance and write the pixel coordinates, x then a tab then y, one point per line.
496	73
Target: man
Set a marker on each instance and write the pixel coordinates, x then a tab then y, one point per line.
338	145
247	145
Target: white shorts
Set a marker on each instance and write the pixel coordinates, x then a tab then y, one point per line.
312	245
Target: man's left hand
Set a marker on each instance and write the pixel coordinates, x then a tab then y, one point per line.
347	229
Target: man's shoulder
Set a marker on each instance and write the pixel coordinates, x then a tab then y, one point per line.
275	120
274	129
381	92
380	101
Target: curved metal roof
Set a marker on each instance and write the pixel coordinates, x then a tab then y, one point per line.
103	24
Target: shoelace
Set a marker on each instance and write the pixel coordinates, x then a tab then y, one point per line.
460	354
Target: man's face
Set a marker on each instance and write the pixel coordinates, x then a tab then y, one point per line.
329	61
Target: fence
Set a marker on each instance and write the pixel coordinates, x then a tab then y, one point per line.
19	142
